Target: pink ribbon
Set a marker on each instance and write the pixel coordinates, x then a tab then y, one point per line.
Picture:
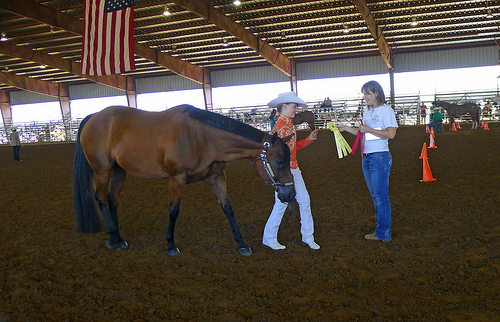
359	140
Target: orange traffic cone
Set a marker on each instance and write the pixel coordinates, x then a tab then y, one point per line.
423	155
486	128
454	129
427	172
432	132
458	125
427	129
482	123
432	145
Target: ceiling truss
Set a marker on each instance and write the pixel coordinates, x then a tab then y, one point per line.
189	42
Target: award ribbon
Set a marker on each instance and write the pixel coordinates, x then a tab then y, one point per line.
343	147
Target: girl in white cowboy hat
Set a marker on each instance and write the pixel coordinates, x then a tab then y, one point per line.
286	105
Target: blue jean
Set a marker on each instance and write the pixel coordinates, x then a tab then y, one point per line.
376	168
17	150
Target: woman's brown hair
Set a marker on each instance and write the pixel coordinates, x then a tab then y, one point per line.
375	88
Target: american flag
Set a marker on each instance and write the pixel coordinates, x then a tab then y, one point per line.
108	37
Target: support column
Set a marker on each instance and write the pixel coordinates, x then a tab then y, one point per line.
131	92
6	109
66	110
393	95
293	77
207	90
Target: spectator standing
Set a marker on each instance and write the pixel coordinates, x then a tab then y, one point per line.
487	110
15	142
423	113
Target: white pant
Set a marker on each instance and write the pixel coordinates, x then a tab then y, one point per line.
306	220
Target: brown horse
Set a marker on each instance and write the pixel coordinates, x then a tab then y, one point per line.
457	110
305	116
184	144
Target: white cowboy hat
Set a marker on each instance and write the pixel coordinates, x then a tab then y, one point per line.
286	98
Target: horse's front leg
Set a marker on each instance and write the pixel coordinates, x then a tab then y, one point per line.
243	248
175	188
217	180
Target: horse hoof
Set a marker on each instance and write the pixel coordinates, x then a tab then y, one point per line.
245	251
173	252
120	245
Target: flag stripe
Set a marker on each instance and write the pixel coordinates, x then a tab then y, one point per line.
108	42
110	54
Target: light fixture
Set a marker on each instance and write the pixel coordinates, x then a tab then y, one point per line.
4	37
224	44
166	12
489	12
414	21
346	29
236	2
42	66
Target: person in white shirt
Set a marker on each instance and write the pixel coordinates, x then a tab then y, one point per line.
379	125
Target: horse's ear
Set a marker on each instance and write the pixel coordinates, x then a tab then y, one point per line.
287	138
274	138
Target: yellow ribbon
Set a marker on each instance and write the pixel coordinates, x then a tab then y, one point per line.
343	147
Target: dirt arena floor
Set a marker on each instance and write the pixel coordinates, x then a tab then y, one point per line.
443	263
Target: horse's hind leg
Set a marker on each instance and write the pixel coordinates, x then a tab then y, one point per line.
108	201
217	180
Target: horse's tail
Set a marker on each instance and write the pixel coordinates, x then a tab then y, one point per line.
84	202
477	113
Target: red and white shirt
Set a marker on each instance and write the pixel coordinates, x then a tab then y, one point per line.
284	127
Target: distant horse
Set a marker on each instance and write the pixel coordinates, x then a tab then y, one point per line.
306	116
457	110
184	144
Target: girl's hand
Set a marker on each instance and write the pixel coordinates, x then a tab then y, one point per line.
364	128
313	136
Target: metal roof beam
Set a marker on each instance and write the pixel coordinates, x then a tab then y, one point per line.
383	46
44	14
30	84
269	53
117	81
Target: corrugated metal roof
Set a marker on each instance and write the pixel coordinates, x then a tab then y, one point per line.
297	31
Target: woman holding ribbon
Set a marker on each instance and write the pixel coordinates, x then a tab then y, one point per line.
378	126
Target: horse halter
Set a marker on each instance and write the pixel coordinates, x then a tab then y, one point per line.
263	156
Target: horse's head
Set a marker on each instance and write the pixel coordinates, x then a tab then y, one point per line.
273	165
437	103
305	116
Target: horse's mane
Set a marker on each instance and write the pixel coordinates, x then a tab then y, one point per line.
224	123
